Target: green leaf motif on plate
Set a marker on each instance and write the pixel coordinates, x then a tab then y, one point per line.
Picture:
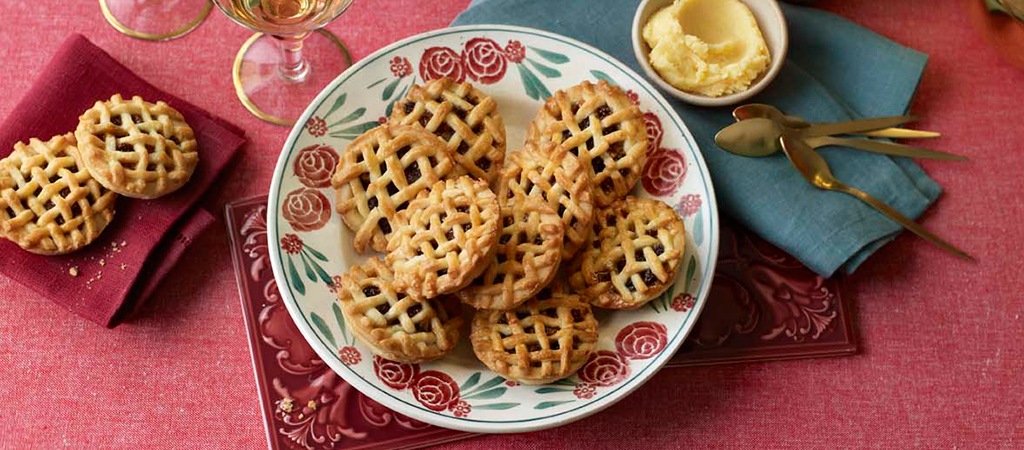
546	405
296	279
556	58
309	270
376	83
530	90
340	319
551	390
322	326
535	88
498	406
483	387
472	381
389	90
486	395
698	228
544	70
354	131
602	76
350	117
315	253
338	102
690	269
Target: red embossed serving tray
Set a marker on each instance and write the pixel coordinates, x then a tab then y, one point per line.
764	305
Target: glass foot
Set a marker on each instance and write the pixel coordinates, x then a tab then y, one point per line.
155	20
281	98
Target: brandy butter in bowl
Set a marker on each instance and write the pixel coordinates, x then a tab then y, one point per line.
710	52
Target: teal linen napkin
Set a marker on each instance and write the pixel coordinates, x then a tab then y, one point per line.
835	70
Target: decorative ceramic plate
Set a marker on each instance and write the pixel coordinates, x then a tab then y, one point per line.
519	68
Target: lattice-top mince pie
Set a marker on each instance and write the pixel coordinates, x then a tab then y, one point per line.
543	340
49	203
599	125
445	238
380	173
396	326
136	148
526	258
635	251
465	118
557	178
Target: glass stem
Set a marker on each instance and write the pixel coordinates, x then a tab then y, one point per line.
293	66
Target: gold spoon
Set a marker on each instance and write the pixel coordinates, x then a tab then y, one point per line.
814	168
759	136
753	110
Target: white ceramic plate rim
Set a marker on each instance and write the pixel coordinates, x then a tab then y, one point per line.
467	424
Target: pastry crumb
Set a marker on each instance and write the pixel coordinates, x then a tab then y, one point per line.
113	244
103	262
73	271
123	266
285	405
311	405
124	243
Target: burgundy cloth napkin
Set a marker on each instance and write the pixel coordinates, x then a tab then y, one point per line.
124	266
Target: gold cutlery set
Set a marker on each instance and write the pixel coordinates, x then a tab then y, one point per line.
762	130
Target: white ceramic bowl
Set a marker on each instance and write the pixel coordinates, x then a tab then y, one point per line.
773	28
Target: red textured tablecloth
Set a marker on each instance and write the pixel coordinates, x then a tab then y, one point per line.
942	362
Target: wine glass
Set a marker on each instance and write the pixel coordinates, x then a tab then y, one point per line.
279	70
155	20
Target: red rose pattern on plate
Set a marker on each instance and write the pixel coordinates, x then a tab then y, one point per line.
484	60
306	209
664	172
439	62
604	368
395	375
314	165
435	390
654	130
641	340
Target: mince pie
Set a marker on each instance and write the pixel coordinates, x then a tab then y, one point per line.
635	251
396	326
379	173
558	179
599	125
49	203
445	238
543	340
136	148
465	118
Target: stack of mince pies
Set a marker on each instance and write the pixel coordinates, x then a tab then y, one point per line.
531	240
57	196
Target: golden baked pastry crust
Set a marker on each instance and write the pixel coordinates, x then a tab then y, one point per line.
49	203
136	148
557	178
465	118
635	251
379	173
525	259
542	340
396	326
599	125
445	237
